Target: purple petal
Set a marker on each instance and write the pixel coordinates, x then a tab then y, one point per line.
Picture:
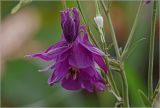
60	71
77	22
58	44
85	75
52	51
87	86
70	22
63	56
41	56
99	60
85	38
87	72
99	83
58	50
70	83
80	57
47	68
93	49
100	86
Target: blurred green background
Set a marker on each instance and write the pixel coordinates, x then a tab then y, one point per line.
21	83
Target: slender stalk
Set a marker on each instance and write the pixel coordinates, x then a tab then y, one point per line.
111	29
113	85
151	51
100	26
80	8
97	7
111	79
100	29
128	44
124	79
84	19
125	87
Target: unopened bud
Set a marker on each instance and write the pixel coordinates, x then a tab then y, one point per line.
99	21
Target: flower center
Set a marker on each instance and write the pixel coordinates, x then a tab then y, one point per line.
72	73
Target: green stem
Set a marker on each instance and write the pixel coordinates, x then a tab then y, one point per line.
111	78
97	8
111	29
124	79
128	44
113	85
80	8
84	19
156	91
125	87
151	51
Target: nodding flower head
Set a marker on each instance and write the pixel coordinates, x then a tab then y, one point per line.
74	58
70	23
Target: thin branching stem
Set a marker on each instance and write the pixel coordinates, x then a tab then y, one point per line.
111	29
130	38
156	91
151	51
89	30
122	72
113	85
110	76
125	86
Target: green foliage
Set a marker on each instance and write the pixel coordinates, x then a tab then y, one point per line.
144	99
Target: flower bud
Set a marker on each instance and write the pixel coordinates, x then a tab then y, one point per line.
99	21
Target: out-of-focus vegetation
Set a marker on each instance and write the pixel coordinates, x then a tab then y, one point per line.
23	85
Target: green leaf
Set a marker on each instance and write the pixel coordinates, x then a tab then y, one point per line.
144	98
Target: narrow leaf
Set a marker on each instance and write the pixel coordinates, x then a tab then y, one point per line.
144	98
133	47
156	91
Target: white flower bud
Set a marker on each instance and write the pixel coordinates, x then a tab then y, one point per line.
99	21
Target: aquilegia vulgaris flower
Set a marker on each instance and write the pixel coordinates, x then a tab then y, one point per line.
74	57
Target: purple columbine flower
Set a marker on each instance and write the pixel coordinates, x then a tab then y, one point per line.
74	57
